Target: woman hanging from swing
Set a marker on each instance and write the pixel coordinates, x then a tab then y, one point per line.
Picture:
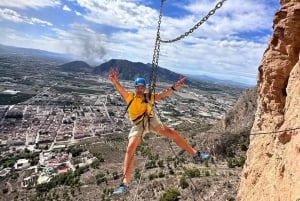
144	120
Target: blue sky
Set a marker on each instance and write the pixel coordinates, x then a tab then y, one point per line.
229	45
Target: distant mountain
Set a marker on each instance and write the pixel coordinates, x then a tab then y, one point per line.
130	70
218	81
77	66
32	52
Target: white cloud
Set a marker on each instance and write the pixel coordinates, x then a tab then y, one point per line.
29	3
234	17
121	14
212	56
13	16
78	13
66	8
38	21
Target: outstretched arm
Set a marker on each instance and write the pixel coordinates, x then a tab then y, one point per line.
113	76
170	90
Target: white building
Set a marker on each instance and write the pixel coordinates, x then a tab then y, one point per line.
22	164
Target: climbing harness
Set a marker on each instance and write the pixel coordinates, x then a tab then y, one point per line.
144	118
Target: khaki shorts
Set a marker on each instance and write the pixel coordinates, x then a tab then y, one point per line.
143	127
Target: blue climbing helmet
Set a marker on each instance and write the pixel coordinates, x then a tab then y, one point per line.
140	81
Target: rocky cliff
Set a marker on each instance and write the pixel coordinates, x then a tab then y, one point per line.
240	118
233	129
272	169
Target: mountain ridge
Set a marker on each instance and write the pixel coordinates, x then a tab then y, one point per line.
163	73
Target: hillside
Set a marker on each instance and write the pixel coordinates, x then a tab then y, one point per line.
76	66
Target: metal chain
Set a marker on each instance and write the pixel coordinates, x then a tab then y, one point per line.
196	26
153	75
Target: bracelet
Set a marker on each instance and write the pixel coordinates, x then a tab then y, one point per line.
173	88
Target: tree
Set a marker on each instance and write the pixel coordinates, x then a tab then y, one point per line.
75	150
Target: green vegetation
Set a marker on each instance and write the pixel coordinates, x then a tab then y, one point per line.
75	150
99	156
193	128
171	195
229	152
152	176
95	164
155	175
100	178
195	172
11	99
161	174
69	179
144	149
106	194
8	162
183	183
160	163
236	162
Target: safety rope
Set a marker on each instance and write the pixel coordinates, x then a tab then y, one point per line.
140	179
253	133
274	132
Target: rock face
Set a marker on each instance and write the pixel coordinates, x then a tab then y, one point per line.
241	117
271	171
235	125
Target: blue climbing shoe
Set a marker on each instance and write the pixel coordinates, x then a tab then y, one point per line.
200	156
121	191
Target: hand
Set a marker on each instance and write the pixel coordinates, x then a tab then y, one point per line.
113	75
179	83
